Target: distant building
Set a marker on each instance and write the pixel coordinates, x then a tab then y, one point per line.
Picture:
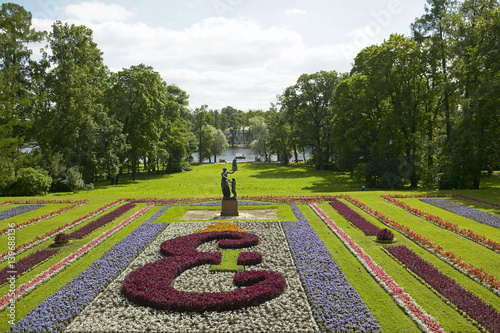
241	137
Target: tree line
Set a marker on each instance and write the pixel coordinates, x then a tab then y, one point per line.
418	110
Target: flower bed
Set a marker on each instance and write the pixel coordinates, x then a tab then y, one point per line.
468	233
477	274
468	212
368	228
464	300
290	312
39	239
5	214
403	299
26	263
46	216
56	312
94	225
335	303
23	289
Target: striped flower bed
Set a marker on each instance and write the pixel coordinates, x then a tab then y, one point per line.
403	299
6	214
41	278
52	233
476	273
26	263
335	303
465	211
368	228
483	313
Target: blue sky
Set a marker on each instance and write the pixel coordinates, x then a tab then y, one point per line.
240	53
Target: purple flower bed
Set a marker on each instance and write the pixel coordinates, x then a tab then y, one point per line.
26	263
462	210
336	305
18	210
57	311
359	221
87	229
473	306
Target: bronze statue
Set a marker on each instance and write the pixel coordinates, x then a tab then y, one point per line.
233	187
224	183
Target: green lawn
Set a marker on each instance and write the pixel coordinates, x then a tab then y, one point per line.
277	180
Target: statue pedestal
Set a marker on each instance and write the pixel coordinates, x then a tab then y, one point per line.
229	207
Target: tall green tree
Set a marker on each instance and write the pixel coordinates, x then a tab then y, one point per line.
16	95
75	83
260	132
139	100
309	104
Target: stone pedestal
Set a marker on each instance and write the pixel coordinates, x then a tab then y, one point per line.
229	207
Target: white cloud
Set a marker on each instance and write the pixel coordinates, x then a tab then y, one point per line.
97	12
295	11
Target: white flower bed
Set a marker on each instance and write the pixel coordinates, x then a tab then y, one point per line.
290	312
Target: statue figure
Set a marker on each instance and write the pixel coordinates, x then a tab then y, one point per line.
235	165
233	187
224	183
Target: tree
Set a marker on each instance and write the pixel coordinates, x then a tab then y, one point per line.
260	132
16	95
75	85
232	120
309	105
138	99
219	142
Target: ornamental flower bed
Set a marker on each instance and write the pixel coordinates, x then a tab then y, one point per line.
464	300
39	239
56	312
465	211
476	273
26	264
480	239
368	228
335	303
103	220
8	213
423	320
46	216
23	289
289	312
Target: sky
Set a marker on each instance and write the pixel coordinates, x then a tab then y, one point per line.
239	53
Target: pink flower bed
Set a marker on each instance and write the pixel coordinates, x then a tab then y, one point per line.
152	284
473	306
425	321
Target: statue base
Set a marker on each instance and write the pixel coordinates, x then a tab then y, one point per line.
229	207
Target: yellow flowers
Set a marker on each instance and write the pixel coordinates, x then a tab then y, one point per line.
221	226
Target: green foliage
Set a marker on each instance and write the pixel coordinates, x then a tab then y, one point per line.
74	180
30	182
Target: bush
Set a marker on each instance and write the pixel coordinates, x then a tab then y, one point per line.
74	179
385	235
31	182
61	239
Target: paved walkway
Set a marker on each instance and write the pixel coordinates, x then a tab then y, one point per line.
258	214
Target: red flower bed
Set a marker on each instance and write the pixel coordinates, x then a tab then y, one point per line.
26	264
359	221
249	258
152	284
473	306
87	229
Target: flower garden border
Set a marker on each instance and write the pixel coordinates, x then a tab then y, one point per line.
423	320
468	269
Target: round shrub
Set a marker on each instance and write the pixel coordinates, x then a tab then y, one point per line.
61	239
385	235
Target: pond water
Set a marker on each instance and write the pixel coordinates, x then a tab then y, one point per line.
232	152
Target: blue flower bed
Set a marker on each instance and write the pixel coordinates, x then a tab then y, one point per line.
468	212
8	213
335	303
57	311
